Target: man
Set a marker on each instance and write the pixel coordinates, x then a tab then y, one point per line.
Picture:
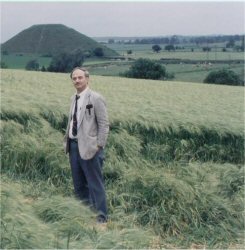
85	139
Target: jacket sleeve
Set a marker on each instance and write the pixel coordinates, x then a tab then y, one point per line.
102	121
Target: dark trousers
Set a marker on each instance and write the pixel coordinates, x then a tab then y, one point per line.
88	179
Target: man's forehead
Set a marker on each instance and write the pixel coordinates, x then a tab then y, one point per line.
78	72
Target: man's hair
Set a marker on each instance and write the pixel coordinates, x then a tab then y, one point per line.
82	69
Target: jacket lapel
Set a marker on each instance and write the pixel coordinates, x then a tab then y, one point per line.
71	107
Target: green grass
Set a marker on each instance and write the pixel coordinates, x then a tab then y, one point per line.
109	70
60	223
19	61
174	165
197	73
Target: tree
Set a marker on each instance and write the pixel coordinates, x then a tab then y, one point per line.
98	52
242	46
146	69
65	62
5	52
110	41
3	65
230	44
32	65
129	52
169	47
206	49
156	48
223	76
43	69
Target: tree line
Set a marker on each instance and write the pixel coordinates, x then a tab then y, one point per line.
182	40
64	62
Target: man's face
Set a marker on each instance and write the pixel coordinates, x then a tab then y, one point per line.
79	80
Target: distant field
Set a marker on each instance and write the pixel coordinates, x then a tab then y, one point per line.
145	50
196	71
174	169
182	72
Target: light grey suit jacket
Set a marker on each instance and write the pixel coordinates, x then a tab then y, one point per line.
93	127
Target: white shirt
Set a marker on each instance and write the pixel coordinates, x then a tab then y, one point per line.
79	107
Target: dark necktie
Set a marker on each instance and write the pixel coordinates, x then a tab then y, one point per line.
74	125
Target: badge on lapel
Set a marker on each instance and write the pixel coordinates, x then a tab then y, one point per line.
89	106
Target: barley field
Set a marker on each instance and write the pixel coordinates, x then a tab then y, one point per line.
174	168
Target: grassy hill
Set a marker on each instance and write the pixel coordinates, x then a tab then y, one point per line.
49	39
174	166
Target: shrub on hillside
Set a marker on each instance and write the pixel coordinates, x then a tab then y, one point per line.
65	62
43	69
3	65
32	65
146	69
98	52
223	76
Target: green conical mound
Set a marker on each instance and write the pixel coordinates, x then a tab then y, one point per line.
52	39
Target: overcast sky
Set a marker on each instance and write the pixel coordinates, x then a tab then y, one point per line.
128	18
